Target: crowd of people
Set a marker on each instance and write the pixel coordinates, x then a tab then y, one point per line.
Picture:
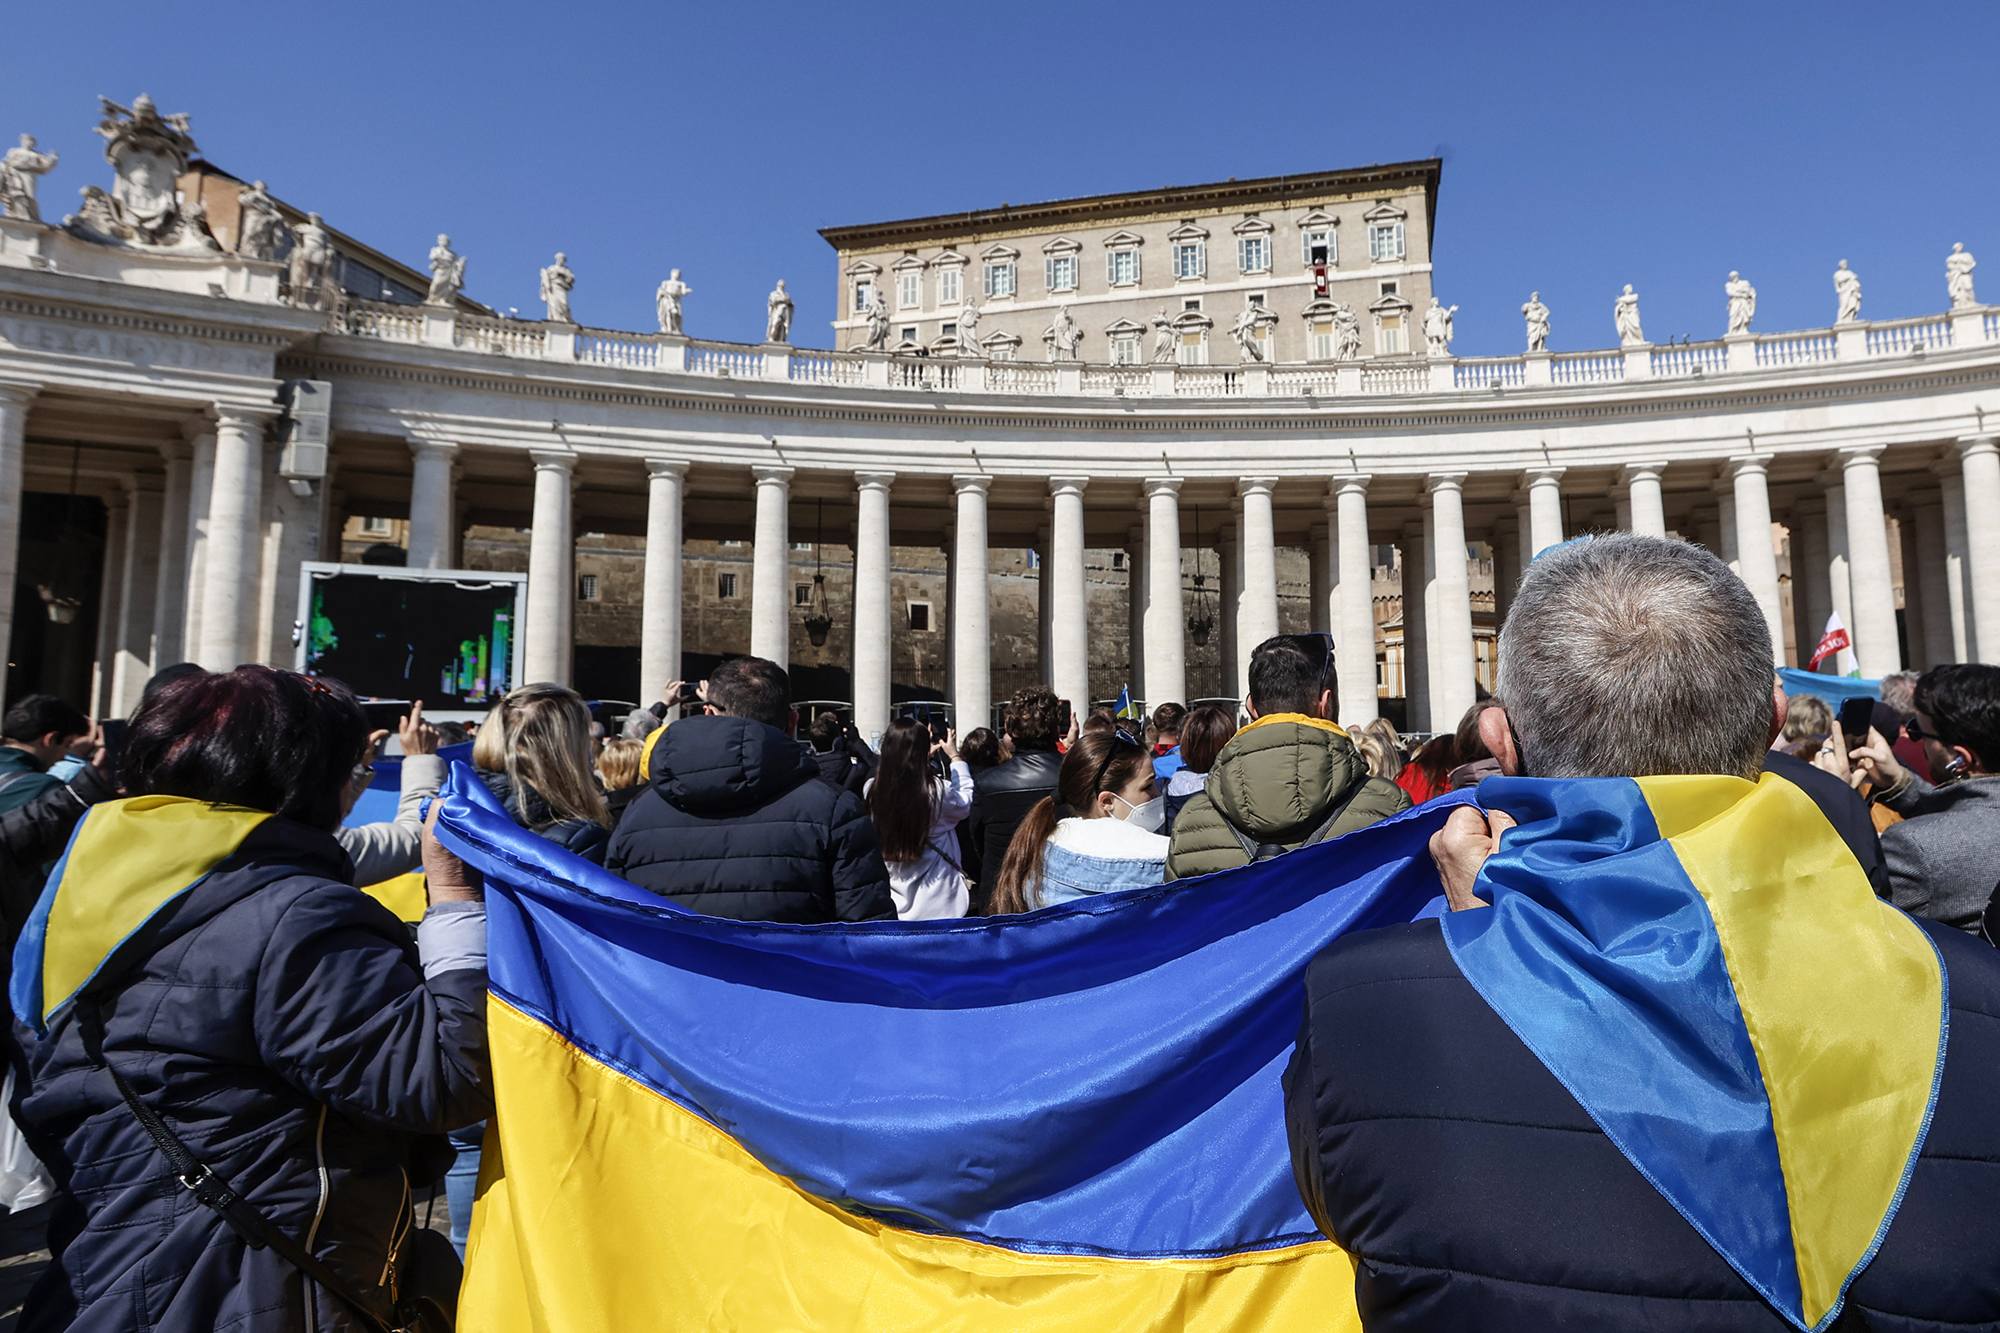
308	1047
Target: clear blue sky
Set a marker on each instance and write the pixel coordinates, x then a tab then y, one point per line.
1585	145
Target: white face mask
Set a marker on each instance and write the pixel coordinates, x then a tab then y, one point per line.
1148	817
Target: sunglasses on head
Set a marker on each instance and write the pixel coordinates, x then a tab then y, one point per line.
1318	648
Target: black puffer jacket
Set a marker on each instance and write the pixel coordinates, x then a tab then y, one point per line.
735	822
1001	798
281	1023
531	812
1474	1192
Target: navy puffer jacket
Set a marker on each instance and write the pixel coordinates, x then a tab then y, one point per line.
735	822
281	1023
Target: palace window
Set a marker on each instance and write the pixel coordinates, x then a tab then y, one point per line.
1253	254
1191	303
1385	241
1193	350
1319	246
910	334
802	594
729	543
950	330
374	527
1000	279
1118	560
725	585
1060	271
586	588
948	286
864	295
1322	333
1190	259
1000	352
909	289
1389	342
920	617
802	546
1125	349
1121	267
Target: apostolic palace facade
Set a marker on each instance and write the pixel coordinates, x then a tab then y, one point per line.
202	387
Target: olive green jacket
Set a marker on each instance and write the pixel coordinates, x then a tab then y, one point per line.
1277	780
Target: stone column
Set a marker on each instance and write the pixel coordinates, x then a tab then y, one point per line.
1231	657
1915	628
1957	544
1545	513
1258	620
545	652
1839	571
1452	650
110	592
1758	561
1069	599
234	545
201	483
170	589
971	640
1166	616
1874	630
1416	629
660	605
14	400
139	580
1933	583
874	603
1812	587
1358	700
1506	567
1649	512
1323	575
1725	526
1979	465
770	559
433	528
1135	610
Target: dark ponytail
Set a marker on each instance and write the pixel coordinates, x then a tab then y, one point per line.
1097	762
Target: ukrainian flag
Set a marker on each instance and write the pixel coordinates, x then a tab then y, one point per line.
1071	1120
1125	706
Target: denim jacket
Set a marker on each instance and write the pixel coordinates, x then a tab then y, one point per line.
1087	856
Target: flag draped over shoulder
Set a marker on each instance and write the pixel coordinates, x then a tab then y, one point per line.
1068	1120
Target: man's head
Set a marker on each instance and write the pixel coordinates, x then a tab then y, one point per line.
1032	716
1293	673
1630	656
1899	691
754	688
1958	709
825	732
45	726
1167	719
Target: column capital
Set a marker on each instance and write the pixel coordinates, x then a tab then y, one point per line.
772	472
1068	485
553	460
1354	481
1550	474
176	451
17	393
245	416
1445	481
1968	445
420	448
1163	486
962	482
1746	463
874	481
1632	472
135	482
667	467
1859	455
1246	486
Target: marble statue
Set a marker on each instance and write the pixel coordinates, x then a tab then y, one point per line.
878	325
1847	286
1958	266
1346	332
1244	331
968	330
260	227
1437	328
1742	302
557	281
1625	314
1537	316
778	315
447	273
668	301
312	264
1164	339
149	152
18	172
1063	337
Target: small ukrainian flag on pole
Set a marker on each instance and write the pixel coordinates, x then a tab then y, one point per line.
1126	708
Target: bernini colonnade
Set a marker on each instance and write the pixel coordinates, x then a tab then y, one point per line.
159	381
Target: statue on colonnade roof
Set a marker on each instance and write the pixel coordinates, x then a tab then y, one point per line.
668	301
1847	286
557	281
447	273
1625	314
1742	302
18	172
1537	316
1958	266
149	151
261	229
778	315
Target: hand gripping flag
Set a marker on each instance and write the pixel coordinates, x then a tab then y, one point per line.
1068	1120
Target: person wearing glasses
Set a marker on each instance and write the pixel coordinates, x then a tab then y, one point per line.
1943	859
1290	778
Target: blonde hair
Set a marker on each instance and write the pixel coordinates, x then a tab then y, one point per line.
548	751
1807	715
1386	760
618	763
489	742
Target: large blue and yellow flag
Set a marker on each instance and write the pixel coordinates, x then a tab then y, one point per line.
1069	1120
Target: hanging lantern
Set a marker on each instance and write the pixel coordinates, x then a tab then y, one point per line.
64	593
819	612
1201	622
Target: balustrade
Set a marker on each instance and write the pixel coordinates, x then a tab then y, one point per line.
392	323
605	347
1893	337
1115	381
1208	382
1509	372
1689	359
1404	378
503	337
724	361
922	373
1587	368
1794	349
808	368
1020	377
1305	380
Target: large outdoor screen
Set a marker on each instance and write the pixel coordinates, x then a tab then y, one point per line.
447	642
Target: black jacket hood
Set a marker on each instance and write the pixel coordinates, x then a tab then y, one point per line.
714	765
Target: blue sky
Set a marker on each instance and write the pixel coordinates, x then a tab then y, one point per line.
1585	146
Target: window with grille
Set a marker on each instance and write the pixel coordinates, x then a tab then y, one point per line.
586	588
725	585
802	546
375	527
947	286
1385	240
1253	254
920	617
802	594
1000	279
1060	270
909	289
1190	259
1121	267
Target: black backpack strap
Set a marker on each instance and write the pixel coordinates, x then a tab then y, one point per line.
1264	851
212	1190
